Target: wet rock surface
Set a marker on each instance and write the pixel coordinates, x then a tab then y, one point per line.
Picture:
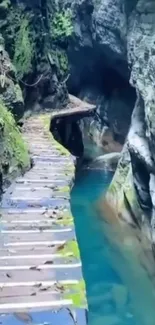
40	267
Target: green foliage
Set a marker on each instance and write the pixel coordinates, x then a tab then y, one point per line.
18	93
61	25
24	49
59	58
62	61
13	151
19	42
4	4
12	26
29	36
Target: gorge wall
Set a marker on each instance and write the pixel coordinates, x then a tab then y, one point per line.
132	190
33	70
34	36
111	58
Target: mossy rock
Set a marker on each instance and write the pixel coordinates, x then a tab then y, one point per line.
13	151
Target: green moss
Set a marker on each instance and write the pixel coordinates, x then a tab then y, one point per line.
119	179
62	61
66	220
59	57
77	293
18	93
64	189
71	247
69	169
24	49
61	25
13	151
62	150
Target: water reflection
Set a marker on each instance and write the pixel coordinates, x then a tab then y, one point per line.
111	270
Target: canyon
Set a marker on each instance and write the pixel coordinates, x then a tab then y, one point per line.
90	65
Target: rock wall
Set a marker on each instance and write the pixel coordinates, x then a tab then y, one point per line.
111	56
35	35
33	71
99	71
131	193
14	157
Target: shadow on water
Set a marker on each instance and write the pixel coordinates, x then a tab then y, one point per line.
110	300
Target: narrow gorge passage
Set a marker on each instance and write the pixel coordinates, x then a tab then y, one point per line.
40	268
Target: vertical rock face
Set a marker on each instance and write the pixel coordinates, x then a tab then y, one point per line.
111	56
136	170
99	69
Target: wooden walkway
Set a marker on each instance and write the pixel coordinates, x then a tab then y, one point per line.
76	107
38	269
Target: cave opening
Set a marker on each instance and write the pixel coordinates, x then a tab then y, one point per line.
99	75
109	89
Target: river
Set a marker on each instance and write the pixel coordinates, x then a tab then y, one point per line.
110	301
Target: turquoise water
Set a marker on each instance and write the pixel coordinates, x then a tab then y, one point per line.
111	297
